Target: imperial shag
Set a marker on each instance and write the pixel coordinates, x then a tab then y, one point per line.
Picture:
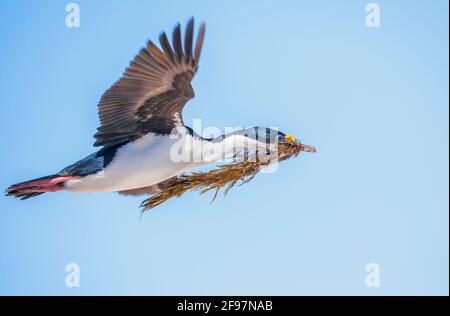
140	118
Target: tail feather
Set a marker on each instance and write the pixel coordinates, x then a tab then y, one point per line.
24	196
32	188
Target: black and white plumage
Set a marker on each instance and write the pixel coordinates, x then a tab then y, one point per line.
141	117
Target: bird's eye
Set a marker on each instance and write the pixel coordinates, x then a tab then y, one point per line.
280	138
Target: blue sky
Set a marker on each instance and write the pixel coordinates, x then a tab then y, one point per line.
373	100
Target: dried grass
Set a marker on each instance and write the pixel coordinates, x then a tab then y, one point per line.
224	176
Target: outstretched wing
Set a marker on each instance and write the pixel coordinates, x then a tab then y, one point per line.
153	90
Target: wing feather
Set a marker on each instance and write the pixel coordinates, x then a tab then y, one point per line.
188	41
199	44
176	39
153	88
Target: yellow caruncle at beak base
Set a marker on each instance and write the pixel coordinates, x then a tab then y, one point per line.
289	138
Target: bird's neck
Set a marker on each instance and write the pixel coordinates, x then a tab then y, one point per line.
231	145
207	150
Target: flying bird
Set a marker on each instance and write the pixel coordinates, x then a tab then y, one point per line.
140	117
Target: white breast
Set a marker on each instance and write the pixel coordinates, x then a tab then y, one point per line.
140	163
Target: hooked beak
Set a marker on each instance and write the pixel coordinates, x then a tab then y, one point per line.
308	148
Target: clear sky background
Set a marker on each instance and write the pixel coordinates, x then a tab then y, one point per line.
374	102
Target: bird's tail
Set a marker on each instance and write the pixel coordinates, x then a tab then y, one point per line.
28	189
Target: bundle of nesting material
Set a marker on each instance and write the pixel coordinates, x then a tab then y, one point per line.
225	176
